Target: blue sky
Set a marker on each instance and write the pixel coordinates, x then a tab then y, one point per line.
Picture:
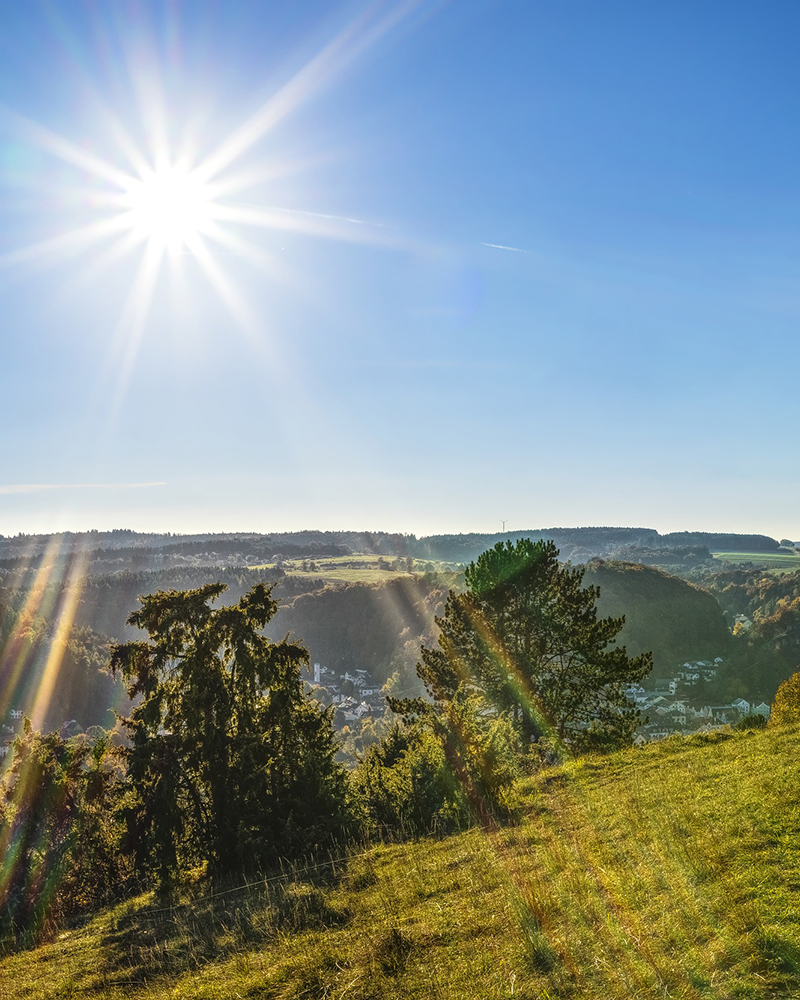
460	262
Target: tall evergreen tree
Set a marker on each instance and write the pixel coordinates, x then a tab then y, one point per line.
526	637
230	761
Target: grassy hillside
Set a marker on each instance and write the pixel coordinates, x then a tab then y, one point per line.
674	619
666	872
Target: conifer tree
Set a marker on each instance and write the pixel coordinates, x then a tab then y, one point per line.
525	636
230	762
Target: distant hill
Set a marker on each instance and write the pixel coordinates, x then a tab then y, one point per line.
663	614
117	551
104	602
376	627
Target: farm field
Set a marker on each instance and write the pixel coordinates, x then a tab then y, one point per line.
354	568
781	562
669	871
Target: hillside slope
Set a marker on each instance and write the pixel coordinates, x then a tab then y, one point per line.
365	626
666	872
673	619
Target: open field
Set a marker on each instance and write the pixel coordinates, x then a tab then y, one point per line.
354	568
670	871
782	562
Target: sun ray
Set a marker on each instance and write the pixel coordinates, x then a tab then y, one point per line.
39	600
121	137
65	150
227	293
236	244
332	227
245	179
119	249
359	35
73	239
65	619
125	344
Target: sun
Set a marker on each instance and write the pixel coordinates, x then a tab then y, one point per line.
161	196
169	207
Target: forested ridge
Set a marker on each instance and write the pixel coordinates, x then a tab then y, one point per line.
673	619
137	550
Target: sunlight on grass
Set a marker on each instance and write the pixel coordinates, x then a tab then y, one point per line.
670	871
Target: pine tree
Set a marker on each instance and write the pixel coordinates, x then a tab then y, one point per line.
525	636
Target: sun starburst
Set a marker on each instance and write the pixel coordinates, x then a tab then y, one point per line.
173	203
169	206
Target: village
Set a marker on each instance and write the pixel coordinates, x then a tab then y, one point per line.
671	705
353	693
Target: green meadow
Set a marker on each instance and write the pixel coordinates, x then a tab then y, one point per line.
351	569
668	871
781	562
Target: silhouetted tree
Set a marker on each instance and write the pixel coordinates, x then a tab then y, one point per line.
230	761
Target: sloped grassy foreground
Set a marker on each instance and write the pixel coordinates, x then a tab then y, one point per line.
671	871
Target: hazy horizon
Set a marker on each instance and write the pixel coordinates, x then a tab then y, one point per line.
344	526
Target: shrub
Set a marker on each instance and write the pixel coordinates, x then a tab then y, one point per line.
786	707
59	833
440	772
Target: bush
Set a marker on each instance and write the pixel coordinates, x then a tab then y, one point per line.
440	773
786	707
406	788
59	832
